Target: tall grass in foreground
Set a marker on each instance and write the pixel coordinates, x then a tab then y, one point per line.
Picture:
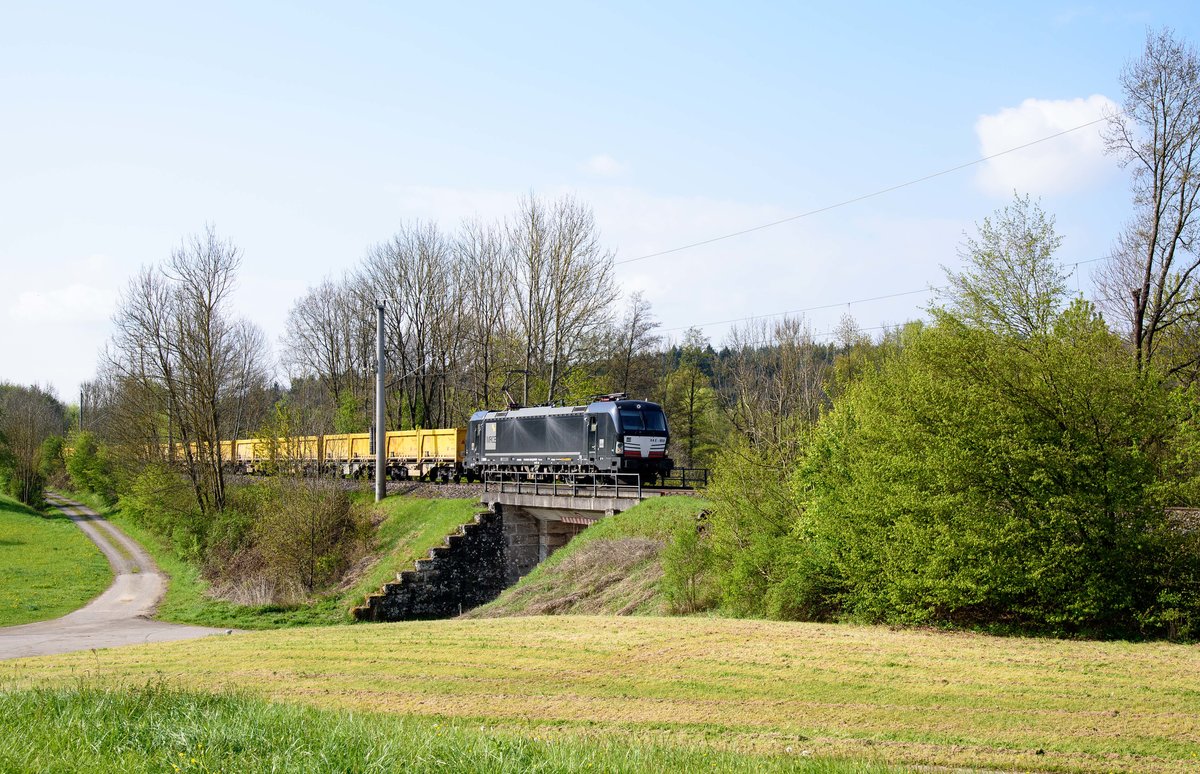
154	727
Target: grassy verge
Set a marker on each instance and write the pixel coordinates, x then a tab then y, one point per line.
155	728
408	528
612	567
754	687
48	567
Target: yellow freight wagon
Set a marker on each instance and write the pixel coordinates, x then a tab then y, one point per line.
249	454
348	454
301	448
429	454
448	445
425	453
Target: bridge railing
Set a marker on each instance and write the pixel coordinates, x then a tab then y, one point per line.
620	485
687	478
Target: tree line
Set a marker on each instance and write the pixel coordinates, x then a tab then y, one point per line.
1022	459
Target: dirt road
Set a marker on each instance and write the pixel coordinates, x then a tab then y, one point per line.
119	616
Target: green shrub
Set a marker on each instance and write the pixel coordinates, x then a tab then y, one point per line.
52	463
90	468
688	582
159	500
982	478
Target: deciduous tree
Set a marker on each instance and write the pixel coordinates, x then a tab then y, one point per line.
1150	280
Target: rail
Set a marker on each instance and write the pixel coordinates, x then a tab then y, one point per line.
620	485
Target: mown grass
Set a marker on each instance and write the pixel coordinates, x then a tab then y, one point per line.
408	528
755	687
48	567
155	728
612	567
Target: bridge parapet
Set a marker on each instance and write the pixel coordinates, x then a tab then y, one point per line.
565	497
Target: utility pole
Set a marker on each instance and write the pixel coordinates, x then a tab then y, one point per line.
81	409
380	435
171	435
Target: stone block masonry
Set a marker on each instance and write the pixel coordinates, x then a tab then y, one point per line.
464	573
529	540
482	559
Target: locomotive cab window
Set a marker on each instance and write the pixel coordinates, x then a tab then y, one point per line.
631	420
654	420
635	420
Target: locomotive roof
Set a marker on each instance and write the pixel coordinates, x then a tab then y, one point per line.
599	407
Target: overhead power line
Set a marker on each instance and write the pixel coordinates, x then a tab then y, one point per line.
863	197
768	315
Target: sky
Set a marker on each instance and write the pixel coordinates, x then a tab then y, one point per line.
306	133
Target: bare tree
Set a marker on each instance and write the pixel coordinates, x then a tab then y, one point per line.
413	272
487	292
528	235
582	288
330	338
564	286
185	357
637	338
1150	279
775	381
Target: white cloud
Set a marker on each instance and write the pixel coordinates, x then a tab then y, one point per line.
75	303
1067	163
604	165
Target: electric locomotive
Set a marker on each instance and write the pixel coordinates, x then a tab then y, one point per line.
610	435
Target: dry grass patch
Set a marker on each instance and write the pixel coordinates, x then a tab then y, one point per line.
598	577
914	698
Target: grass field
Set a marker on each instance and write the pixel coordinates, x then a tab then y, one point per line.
48	567
153	728
752	687
408	528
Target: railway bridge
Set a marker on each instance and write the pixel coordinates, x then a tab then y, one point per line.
524	522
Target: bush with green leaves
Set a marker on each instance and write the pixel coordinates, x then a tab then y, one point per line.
159	499
687	581
305	532
766	559
90	467
988	478
52	462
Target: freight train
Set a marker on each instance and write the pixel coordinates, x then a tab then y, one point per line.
610	435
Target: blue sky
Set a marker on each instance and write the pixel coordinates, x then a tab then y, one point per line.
307	133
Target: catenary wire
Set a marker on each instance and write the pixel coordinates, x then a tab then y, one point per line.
863	197
766	316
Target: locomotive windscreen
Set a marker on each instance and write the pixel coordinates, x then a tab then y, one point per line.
646	420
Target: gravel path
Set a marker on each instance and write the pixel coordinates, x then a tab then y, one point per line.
119	616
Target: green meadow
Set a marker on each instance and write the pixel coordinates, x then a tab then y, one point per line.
48	567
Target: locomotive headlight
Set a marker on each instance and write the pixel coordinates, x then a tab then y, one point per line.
618	448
